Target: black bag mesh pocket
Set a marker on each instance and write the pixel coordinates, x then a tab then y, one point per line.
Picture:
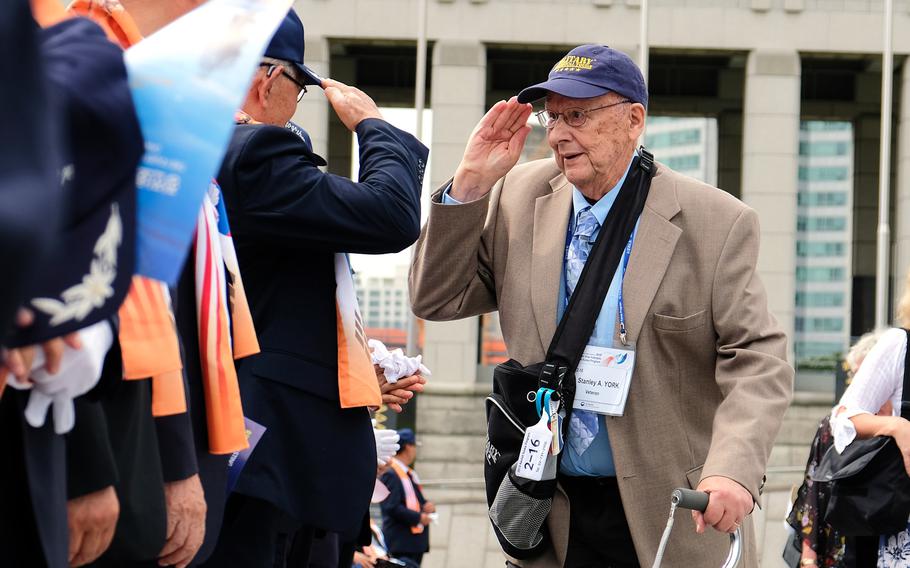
518	514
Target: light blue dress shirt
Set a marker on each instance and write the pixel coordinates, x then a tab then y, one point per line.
597	459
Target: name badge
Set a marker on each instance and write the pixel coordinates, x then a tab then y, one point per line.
603	378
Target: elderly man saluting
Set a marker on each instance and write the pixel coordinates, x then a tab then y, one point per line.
711	381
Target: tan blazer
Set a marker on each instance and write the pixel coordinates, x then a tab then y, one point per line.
711	382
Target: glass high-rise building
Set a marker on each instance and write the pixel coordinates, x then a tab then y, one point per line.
823	251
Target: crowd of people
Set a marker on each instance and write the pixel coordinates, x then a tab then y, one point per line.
221	421
225	420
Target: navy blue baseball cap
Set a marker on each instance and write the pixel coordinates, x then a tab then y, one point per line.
591	71
88	273
406	436
287	44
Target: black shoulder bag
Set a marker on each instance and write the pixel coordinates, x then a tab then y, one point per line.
518	506
869	486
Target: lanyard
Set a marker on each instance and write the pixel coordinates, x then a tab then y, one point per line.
622	312
627	253
542	400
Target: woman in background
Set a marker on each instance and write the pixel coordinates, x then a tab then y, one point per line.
822	545
871	407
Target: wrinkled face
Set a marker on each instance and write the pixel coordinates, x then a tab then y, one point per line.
594	156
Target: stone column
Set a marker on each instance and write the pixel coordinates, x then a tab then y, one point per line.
450	413
901	230
313	111
457	100
769	170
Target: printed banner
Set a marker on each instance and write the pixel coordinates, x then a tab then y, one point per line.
187	81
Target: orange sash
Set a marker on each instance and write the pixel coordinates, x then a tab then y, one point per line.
357	383
410	495
148	341
48	12
110	15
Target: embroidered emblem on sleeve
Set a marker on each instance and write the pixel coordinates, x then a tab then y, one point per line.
77	301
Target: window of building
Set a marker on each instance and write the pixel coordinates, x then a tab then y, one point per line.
674	138
819	274
823	249
823	173
804	223
819	299
824	148
826	126
817	350
819	324
822	198
683	163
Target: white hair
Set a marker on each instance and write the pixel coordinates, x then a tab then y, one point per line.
288	67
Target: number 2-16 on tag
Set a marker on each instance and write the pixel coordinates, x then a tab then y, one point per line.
534	450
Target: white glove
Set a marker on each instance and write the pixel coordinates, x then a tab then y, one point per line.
79	372
395	364
386	444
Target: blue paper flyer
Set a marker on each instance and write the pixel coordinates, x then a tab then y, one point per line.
254	432
187	81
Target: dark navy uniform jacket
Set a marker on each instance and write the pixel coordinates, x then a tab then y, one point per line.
94	148
316	461
30	195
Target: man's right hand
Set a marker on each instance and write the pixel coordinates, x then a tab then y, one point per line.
186	510
493	149
350	103
425	519
92	519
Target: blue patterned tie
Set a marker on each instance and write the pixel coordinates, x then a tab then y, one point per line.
583	423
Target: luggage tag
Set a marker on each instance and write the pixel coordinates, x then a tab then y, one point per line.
534	449
603	378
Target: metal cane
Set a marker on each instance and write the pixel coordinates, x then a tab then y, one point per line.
697	501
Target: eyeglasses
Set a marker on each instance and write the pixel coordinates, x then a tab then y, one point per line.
287	73
574	117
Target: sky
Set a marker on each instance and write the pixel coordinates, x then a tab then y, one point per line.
405	119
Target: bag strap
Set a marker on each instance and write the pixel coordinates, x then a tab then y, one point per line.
580	317
905	393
